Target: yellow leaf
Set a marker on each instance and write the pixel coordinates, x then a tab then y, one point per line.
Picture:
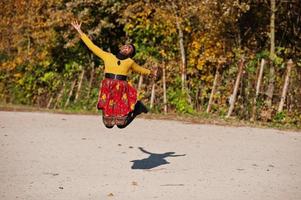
17	75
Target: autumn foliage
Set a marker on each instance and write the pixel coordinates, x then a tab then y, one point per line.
199	43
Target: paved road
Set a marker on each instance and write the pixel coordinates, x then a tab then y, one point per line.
72	157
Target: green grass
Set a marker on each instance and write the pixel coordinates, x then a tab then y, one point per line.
199	118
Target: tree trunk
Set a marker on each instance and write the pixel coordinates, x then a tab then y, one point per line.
28	31
233	97
182	49
79	85
285	86
28	46
257	89
70	93
164	89
213	89
271	86
183	69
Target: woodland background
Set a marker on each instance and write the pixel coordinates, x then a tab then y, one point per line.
230	58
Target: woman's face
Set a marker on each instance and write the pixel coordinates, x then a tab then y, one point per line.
126	50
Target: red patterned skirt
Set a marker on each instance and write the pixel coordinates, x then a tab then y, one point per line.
117	98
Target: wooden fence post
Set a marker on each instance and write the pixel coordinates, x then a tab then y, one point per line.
164	88
257	89
91	79
285	86
152	96
140	82
79	85
49	102
59	96
232	103
70	93
213	89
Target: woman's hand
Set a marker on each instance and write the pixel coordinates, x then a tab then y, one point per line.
77	26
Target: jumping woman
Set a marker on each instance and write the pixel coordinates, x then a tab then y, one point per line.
117	98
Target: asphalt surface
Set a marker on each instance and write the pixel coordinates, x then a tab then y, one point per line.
47	156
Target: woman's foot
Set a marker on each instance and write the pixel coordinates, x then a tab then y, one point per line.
140	108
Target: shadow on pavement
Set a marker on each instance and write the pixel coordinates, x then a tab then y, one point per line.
154	160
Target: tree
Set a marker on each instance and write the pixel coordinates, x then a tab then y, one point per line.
270	91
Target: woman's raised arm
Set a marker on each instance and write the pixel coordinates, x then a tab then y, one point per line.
95	49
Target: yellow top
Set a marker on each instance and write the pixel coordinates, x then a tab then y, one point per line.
110	60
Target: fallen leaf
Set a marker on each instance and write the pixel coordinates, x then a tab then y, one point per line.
110	195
